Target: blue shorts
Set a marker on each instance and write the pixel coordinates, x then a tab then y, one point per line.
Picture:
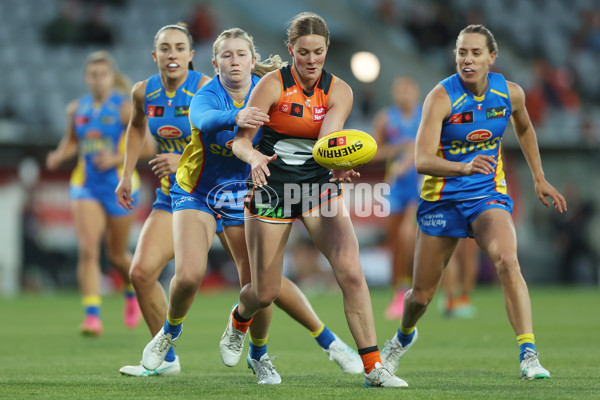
231	212
162	202
219	224
403	192
454	218
106	197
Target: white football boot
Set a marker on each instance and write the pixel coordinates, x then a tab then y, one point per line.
348	360
381	377
232	343
156	350
264	370
167	368
393	351
531	367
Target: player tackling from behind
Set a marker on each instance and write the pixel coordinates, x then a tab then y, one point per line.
458	148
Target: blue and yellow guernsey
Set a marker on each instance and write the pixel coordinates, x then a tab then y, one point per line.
99	128
167	114
475	126
208	162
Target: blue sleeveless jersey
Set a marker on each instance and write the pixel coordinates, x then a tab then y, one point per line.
98	128
401	129
167	114
475	126
208	166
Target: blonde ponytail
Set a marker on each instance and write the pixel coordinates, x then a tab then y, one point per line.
122	83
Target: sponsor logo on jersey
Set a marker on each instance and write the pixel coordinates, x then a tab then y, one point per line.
169	132
297	110
496	112
319	113
462	118
182	111
156	111
479	107
107	120
460	147
480	135
229	144
337	141
290	93
307	102
81	120
293	109
93	134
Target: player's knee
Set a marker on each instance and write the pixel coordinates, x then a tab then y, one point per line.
89	253
138	276
351	278
188	279
507	265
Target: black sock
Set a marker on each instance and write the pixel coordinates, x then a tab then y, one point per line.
238	317
366	350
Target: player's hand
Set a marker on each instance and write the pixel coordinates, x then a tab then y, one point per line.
544	189
251	117
164	164
481	164
123	193
344	175
53	161
260	170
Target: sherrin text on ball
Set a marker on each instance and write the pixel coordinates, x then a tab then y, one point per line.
344	149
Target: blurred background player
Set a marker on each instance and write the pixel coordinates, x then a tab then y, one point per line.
95	131
395	129
459	279
160	103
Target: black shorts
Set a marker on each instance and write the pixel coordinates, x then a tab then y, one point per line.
284	202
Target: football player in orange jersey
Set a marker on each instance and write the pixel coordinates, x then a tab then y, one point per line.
304	103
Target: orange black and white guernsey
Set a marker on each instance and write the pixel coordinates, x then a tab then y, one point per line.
475	126
294	126
297	184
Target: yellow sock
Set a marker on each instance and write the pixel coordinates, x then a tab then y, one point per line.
93	300
406	331
175	321
318	331
258	342
526	338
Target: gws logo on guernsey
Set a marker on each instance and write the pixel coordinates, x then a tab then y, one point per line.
229	144
480	135
169	132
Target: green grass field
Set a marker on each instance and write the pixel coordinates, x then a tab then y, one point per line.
42	354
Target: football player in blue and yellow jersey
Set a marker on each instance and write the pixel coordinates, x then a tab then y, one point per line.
395	130
210	183
96	132
161	104
304	103
458	148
